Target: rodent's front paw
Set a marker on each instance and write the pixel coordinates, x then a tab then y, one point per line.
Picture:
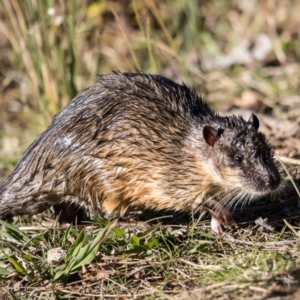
220	218
224	217
216	226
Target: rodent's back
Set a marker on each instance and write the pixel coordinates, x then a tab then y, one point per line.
135	139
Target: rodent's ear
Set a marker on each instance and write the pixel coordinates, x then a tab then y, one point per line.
253	122
210	135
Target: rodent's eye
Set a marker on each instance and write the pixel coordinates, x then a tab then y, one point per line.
238	158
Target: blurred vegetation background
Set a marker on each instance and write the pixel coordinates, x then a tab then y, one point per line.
241	53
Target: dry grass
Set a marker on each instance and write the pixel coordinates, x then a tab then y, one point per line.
239	55
159	262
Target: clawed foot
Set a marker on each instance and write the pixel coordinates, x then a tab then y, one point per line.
217	225
220	216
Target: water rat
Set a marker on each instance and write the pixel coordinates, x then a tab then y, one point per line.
141	140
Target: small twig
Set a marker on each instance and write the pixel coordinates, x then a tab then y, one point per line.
208	267
289	176
259	244
291	227
288	160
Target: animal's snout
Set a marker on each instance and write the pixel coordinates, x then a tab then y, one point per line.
272	180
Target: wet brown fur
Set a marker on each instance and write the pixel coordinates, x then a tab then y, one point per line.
136	140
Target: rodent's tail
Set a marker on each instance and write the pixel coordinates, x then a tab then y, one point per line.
22	201
18	202
21	192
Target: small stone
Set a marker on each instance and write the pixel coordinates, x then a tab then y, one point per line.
55	255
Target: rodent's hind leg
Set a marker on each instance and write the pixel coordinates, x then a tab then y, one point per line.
70	213
220	216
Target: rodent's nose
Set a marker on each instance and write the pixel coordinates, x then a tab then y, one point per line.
272	180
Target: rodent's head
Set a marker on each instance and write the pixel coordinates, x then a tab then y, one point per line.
241	156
